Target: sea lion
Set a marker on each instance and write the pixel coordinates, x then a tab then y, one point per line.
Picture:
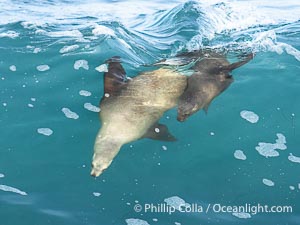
210	78
130	109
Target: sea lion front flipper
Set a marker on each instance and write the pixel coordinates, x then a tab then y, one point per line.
159	132
115	77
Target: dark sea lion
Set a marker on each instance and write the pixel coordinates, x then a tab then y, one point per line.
210	78
130	109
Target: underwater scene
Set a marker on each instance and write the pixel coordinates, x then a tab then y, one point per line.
199	117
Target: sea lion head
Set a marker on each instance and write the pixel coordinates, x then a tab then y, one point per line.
104	153
99	165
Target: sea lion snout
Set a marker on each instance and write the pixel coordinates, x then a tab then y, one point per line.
99	165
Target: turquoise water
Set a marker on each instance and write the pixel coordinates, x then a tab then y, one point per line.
50	174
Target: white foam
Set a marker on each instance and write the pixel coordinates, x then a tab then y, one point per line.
133	221
85	93
66	33
269	149
102	68
13	68
242	215
45	131
1	175
91	107
292	188
239	154
12	189
69	48
37	50
10	34
33	99
299	186
176	202
102	30
268	182
249	116
164	147
69	114
81	64
293	158
96	194
30	105
42	68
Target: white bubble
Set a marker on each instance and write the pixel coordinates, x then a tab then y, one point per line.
269	149
249	116
81	64
176	202
133	221
268	182
45	131
91	107
12	189
164	147
33	99
102	68
69	114
85	93
156	130
293	158
239	154
292	188
242	215
42	68
96	194
30	105
1	175
13	68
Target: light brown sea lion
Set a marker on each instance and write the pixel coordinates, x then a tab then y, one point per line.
130	109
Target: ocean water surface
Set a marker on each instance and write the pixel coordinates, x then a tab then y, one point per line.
245	151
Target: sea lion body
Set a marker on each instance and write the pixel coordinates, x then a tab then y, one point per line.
129	115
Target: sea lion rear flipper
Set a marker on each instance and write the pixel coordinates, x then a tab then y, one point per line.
115	78
159	132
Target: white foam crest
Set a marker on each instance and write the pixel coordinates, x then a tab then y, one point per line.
267	41
12	189
66	33
68	48
9	34
103	30
2	175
